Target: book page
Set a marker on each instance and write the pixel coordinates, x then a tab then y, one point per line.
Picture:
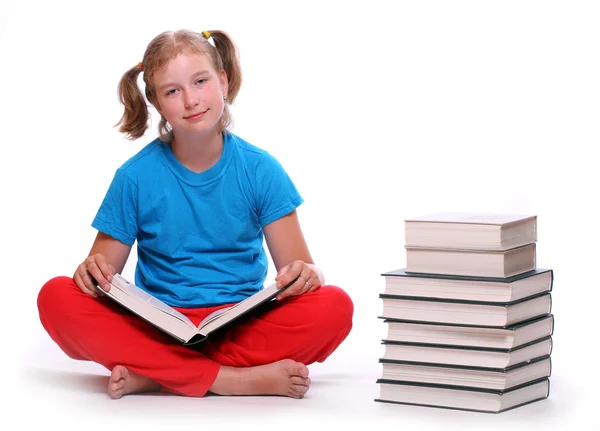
134	291
215	314
223	316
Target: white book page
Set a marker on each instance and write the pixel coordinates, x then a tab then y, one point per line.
214	315
223	316
132	290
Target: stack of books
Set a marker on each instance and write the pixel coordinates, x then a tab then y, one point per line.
469	323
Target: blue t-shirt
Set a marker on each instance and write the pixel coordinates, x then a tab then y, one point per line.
199	235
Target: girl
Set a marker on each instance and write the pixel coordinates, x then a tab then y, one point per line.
199	201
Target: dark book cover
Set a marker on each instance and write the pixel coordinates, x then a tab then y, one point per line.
402	273
463	388
465	367
513	327
478	348
490	391
465	301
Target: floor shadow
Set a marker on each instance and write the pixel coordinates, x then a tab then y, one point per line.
71	381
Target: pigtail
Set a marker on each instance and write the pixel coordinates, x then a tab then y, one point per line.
229	59
134	121
231	62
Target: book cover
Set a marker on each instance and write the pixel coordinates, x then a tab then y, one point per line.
467	377
469	368
403	273
492	231
471	262
466	355
475	313
469	335
492	289
460	398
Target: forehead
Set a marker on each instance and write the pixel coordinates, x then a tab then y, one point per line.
182	66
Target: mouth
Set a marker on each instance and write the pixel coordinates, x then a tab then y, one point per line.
195	116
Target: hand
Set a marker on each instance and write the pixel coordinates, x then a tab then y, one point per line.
94	270
307	279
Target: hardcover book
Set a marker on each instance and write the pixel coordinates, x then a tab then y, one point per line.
471	399
485	231
470	336
471	377
476	313
177	324
474	263
489	289
466	356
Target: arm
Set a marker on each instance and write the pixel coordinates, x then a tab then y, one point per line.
106	257
291	257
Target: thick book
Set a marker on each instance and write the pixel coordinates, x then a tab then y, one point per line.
471	336
471	377
466	356
400	282
459	398
474	263
177	324
476	313
485	231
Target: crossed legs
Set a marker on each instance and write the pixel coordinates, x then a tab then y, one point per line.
264	355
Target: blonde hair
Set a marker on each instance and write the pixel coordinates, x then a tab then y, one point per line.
160	51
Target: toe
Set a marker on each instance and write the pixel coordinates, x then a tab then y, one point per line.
300	381
299	391
295	394
301	370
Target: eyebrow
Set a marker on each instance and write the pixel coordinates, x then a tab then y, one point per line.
172	84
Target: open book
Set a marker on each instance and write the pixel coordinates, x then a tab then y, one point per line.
175	323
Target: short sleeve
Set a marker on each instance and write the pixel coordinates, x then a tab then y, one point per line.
117	216
277	195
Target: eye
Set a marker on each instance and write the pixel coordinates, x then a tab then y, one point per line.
201	81
171	92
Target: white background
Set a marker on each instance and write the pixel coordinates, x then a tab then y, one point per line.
378	113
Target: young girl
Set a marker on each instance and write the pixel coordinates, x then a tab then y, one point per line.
199	201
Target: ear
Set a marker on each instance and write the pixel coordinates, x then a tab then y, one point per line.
224	82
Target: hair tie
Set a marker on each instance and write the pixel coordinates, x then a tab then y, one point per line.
140	66
209	38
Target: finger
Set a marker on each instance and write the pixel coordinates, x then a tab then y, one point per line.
289	272
105	268
99	270
282	272
314	283
286	275
312	278
311	281
80	279
292	290
302	273
82	283
313	288
297	288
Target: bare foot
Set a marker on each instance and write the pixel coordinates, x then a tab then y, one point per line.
286	377
123	382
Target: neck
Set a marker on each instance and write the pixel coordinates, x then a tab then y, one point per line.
198	154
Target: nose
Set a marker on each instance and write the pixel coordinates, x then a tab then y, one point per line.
190	99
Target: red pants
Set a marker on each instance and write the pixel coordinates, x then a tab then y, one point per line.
305	328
